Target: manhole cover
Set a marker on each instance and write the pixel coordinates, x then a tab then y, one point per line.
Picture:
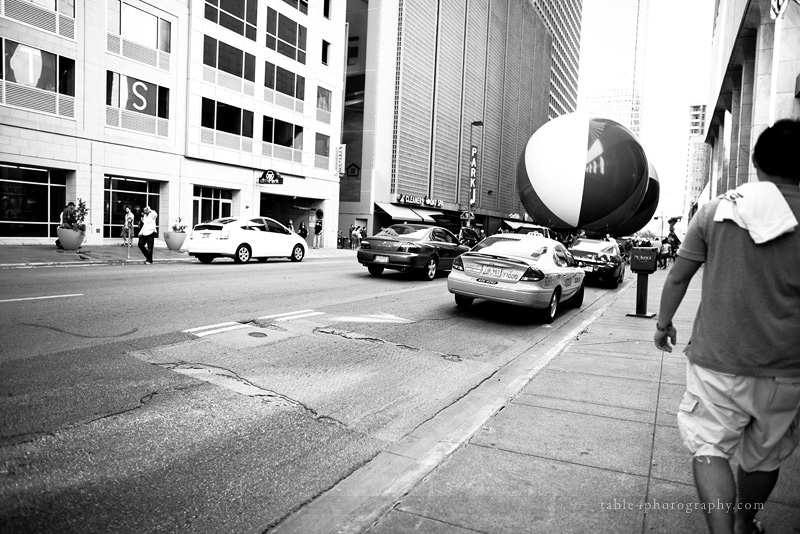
257	334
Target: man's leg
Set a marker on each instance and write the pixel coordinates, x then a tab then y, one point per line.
754	490
143	245
151	244
717	490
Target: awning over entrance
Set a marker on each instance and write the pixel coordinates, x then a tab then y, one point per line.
427	215
399	213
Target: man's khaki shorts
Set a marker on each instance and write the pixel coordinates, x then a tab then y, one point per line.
755	418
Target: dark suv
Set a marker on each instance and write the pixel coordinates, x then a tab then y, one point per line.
468	237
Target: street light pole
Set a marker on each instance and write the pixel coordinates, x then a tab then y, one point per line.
472	171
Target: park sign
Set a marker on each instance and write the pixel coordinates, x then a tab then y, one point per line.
270	177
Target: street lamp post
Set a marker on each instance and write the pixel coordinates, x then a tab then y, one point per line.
472	170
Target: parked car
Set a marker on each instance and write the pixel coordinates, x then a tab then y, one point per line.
243	238
525	270
602	260
534	229
410	247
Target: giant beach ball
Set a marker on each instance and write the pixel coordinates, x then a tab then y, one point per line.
582	172
646	210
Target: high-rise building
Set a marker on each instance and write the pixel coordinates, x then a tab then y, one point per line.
697	162
182	105
563	19
753	83
441	98
613	51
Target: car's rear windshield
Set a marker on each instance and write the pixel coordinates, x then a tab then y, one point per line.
510	246
208	226
588	245
405	230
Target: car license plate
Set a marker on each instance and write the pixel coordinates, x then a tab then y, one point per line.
492	271
381	259
206	236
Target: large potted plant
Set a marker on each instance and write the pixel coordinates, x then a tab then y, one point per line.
72	229
177	236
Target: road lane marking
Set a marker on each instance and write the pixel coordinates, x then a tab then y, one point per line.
374	318
202	331
289	316
42	298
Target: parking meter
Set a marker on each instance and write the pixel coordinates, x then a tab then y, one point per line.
643	263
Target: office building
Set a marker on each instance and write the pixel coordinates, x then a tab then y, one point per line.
427	82
198	108
754	82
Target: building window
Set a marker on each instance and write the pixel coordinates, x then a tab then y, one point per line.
126	92
211	203
286	36
239	16
326	48
226	118
229	59
300	5
65	7
32	67
32	201
284	81
352	50
323	99
139	26
282	133
326	8
322	146
122	192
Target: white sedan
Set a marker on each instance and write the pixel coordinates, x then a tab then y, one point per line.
520	269
242	238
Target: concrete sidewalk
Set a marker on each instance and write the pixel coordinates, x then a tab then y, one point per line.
588	442
28	256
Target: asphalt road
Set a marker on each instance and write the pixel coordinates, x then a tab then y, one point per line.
222	397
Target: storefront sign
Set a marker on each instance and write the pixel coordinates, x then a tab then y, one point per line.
340	152
420	201
271	177
473	173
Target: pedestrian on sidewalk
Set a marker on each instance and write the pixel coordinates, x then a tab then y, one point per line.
318	233
742	394
147	234
127	228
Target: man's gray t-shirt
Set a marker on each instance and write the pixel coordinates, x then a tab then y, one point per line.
749	319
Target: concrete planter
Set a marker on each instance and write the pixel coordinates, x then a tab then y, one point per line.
174	240
70	239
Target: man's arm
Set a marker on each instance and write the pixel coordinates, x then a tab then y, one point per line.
671	296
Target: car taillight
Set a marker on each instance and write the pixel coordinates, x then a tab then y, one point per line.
408	247
532	275
458	265
365	244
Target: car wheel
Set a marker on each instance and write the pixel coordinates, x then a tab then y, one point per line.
297	253
374	270
205	258
552	308
464	302
614	283
577	300
429	272
242	254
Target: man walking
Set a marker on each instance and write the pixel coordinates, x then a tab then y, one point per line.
147	235
743	372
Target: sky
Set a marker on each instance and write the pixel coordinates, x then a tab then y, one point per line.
676	76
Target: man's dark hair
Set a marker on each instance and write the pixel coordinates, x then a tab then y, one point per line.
776	150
